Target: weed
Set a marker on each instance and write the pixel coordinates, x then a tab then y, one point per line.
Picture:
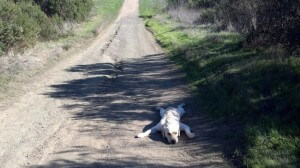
67	46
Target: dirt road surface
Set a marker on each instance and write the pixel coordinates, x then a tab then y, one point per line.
86	110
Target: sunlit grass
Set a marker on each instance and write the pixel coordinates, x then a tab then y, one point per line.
103	12
149	8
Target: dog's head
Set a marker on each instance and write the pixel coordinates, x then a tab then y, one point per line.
171	131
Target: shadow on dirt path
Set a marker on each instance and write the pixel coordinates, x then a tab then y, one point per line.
116	101
123	92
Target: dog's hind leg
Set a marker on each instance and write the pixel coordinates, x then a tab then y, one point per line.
161	111
187	130
180	109
149	131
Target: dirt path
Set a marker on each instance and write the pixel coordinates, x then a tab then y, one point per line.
86	111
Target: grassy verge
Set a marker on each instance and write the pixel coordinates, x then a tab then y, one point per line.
103	12
258	89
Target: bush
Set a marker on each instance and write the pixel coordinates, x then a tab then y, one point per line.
72	10
202	3
207	16
192	3
264	23
17	29
277	22
45	24
23	22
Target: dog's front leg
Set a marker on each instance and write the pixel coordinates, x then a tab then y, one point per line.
149	131
187	130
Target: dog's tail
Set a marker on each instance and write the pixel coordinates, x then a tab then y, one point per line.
181	105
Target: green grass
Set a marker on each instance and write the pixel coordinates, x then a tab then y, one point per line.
103	11
102	14
149	8
258	89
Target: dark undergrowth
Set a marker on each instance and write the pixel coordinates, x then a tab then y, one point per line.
259	89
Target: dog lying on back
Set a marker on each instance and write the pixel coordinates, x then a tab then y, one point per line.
170	125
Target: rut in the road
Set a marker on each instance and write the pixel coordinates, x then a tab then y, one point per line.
116	64
102	51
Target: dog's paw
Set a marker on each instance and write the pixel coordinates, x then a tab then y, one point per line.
191	135
140	135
